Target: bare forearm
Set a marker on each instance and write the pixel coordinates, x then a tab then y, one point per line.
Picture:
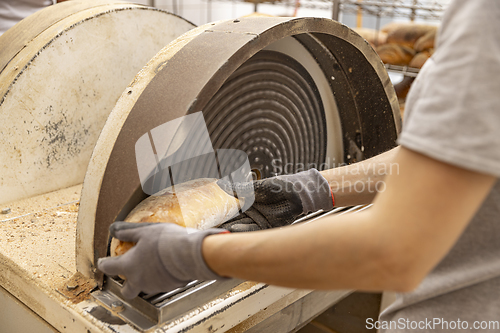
358	183
323	255
327	254
391	246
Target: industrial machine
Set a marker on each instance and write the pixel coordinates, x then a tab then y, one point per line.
301	91
61	72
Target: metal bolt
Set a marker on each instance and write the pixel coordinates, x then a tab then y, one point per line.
72	286
6	210
117	306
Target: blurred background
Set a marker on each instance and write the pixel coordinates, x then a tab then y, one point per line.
401	31
374	13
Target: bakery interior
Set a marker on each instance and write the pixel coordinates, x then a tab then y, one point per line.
82	81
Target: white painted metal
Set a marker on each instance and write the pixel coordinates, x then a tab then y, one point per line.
15	317
57	92
245	306
47	116
105	144
244	310
33	264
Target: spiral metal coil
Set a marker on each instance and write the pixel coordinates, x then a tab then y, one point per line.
269	108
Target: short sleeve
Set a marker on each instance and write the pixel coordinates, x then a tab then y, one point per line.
453	109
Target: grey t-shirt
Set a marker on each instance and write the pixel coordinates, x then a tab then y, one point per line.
13	11
453	115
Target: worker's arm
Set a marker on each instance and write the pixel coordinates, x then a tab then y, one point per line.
281	200
358	183
392	246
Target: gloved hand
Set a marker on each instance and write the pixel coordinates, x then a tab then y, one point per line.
279	200
165	257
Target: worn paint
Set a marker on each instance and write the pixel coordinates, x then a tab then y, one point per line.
71	76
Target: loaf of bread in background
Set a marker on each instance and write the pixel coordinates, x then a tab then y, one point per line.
406	34
198	204
420	58
390	27
426	42
403	87
395	54
372	36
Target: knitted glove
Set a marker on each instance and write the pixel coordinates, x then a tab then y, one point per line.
279	201
165	257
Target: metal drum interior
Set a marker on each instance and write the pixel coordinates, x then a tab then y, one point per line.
271	109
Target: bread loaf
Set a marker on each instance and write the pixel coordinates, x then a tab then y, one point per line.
198	204
395	54
403	87
420	58
390	27
374	37
406	34
426	42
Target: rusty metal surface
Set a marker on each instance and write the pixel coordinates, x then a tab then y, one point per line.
190	77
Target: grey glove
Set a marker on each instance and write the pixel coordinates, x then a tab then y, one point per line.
280	200
165	257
